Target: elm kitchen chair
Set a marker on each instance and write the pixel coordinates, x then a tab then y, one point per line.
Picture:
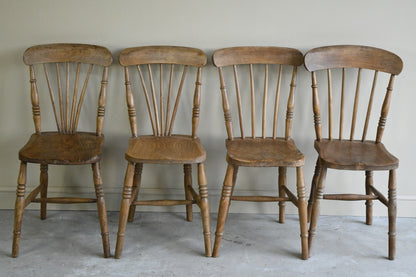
170	65
349	153
250	150
67	145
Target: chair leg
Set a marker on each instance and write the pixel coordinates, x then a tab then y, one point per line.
315	208
44	191
282	183
102	212
204	205
187	169
313	188
368	203
392	211
19	207
302	208
124	209
227	190
136	188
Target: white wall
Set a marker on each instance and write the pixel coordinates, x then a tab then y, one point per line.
207	25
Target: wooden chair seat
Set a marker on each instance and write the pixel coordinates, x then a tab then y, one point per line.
55	148
266	152
355	155
165	150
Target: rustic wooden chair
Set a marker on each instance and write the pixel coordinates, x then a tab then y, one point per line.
260	151
66	146
349	153
168	64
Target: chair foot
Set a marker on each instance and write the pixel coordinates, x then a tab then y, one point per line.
204	205
19	207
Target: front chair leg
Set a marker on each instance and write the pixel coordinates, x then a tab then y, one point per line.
124	209
392	212
315	208
204	205
302	209
44	191
313	188
136	188
102	212
227	190
19	207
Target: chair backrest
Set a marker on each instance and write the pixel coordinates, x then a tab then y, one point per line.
66	97
345	58
162	70
245	62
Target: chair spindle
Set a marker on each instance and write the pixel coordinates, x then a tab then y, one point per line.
52	98
253	104
341	116
385	110
178	97
61	108
370	104
266	81
67	99
74	98
102	100
81	98
226	106
329	103
276	103
354	114
35	100
146	95
130	105
169	99
161	99
197	102
316	108
290	104
237	91
152	87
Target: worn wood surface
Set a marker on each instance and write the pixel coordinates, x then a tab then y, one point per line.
157	67
66	146
266	149
351	154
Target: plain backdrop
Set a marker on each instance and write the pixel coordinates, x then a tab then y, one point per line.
207	25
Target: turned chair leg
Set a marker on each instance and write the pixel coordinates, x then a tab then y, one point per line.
315	208
302	209
313	188
282	184
187	169
44	191
102	212
392	212
136	188
124	209
227	190
19	207
368	203
204	206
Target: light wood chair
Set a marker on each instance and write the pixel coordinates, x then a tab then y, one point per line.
349	153
251	150
170	65
66	146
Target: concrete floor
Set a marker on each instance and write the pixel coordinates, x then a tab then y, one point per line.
68	243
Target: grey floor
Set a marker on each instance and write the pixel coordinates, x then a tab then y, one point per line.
68	243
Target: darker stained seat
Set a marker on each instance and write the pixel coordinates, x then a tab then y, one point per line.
355	155
55	148
175	149
266	152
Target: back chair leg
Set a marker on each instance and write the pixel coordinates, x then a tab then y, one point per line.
368	203
227	190
124	209
44	191
282	183
187	169
102	212
136	188
302	209
392	211
19	207
204	205
313	188
315	208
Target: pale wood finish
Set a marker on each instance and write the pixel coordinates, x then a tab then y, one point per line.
351	154
66	146
158	86
261	150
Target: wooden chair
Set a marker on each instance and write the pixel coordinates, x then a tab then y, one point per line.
66	146
250	150
170	65
349	153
